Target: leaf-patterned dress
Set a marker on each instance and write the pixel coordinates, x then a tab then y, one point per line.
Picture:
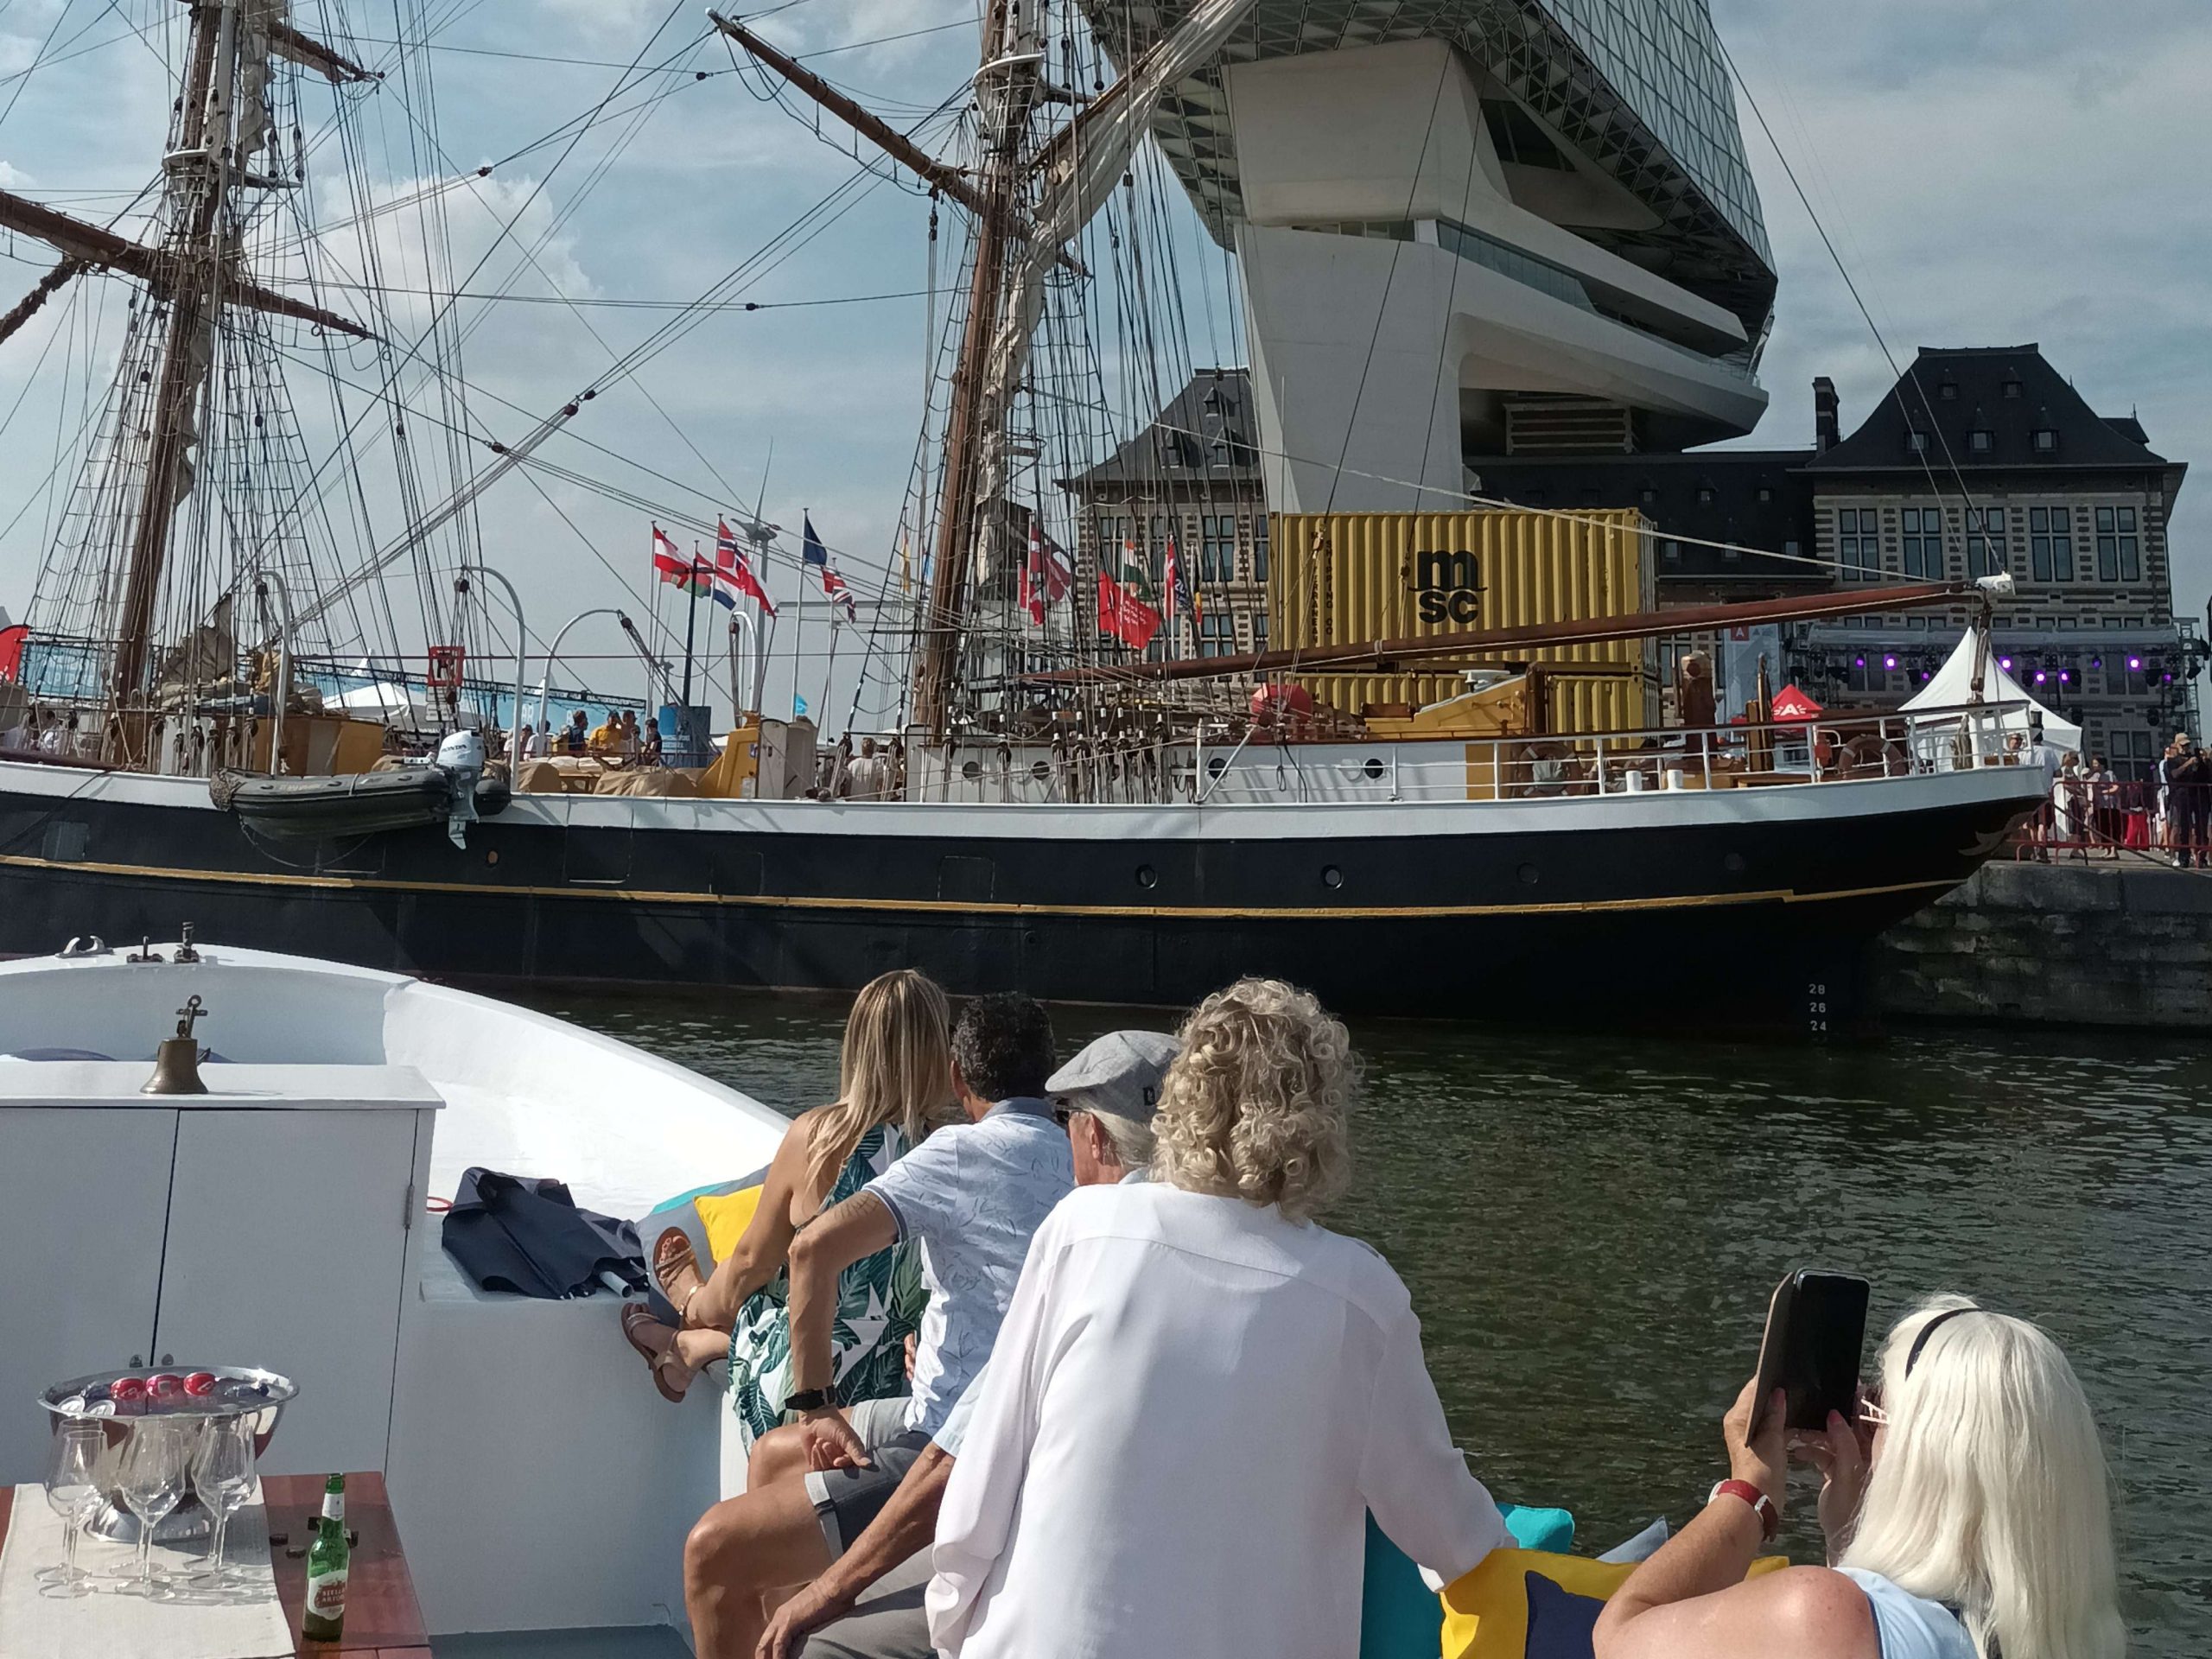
880	1299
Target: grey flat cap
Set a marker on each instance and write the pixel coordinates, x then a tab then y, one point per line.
1118	1075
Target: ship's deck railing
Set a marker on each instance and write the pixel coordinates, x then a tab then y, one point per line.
1266	767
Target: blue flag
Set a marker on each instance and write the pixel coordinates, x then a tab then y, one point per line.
810	549
798	707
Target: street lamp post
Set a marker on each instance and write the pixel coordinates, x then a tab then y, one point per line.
522	653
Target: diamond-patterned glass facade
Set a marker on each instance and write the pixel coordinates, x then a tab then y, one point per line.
1636	85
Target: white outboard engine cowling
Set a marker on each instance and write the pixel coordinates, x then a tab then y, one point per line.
461	757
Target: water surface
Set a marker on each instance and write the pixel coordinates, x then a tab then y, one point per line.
1591	1227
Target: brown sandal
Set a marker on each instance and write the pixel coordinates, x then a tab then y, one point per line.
635	1317
672	1255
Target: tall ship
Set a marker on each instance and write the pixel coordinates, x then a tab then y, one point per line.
1444	780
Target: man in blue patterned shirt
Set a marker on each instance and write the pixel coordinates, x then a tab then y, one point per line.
973	1195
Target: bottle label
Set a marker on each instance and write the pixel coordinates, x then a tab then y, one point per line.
326	1594
333	1506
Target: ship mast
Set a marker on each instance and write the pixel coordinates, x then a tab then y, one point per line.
222	123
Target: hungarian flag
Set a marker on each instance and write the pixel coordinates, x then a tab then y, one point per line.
734	568
11	650
1045	573
1122	609
693	576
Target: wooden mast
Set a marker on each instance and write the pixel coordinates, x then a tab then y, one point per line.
194	255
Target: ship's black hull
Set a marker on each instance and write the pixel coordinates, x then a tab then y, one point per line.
1715	911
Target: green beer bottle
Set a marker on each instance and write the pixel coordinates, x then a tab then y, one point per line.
327	1561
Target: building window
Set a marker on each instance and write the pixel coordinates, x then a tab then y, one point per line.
1858	544
1671	552
1917	441
2051	544
1259	631
1981	441
1217	547
2120	550
1705	495
2046	441
1765	493
1923	542
2012	390
1948	391
1217	634
1649	495
1986	553
1259	547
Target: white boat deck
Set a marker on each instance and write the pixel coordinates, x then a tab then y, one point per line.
543	1487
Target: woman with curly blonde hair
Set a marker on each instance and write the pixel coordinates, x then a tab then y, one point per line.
1199	1393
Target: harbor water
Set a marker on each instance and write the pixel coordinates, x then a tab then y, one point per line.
1591	1228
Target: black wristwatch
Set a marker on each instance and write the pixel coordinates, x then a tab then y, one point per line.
806	1399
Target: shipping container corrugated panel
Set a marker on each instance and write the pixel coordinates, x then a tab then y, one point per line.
1346	578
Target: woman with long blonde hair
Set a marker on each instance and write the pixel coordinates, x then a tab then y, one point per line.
1967	1514
894	1086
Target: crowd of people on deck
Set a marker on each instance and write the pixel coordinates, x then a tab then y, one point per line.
1068	1346
55	733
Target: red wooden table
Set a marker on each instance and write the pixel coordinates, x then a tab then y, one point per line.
382	1619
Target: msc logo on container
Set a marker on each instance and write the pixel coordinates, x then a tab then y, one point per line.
1447	587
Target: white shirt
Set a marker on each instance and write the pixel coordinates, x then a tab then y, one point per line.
974	1194
1193	1405
870	778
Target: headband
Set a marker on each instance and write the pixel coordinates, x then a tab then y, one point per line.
1929	1330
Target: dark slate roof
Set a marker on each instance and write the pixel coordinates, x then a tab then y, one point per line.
1667	490
1953	393
1206	436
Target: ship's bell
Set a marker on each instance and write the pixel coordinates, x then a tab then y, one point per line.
176	1062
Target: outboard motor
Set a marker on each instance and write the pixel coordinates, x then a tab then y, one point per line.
460	756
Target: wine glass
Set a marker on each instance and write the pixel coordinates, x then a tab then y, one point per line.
72	1490
151	1476
222	1477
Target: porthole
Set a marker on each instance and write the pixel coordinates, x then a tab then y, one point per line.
1216	766
971	769
1331	877
1529	875
492	857
1735	864
1040	770
1373	768
1147	876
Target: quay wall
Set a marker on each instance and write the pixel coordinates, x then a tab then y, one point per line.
2125	945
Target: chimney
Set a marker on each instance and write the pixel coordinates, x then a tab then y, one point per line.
1825	433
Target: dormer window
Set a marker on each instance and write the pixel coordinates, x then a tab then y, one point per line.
1981	441
1948	391
2014	390
1765	493
1917	442
2046	441
1705	495
1650	495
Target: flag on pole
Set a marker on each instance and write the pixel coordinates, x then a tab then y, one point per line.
1178	597
1045	574
1123	611
688	575
833	585
732	566
12	641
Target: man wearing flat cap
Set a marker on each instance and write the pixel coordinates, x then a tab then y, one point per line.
1105	1097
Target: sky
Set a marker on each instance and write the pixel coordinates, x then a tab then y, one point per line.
1991	172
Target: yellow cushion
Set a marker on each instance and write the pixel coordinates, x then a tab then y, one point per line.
726	1217
1486	1612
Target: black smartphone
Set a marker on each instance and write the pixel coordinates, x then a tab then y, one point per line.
1815	1329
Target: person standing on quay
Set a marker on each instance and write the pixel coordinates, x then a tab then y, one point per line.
2192	791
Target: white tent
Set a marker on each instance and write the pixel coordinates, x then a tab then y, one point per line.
1953	688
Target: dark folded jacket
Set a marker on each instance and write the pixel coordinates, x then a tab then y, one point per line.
512	1233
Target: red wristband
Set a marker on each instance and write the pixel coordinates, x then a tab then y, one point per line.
1762	1505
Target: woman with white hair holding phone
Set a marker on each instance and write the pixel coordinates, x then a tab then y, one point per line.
1966	1517
1199	1393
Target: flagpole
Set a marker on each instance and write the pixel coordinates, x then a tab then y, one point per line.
691	633
832	668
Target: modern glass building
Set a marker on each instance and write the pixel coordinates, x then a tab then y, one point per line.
1524	227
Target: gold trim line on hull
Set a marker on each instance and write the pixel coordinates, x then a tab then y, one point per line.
955	906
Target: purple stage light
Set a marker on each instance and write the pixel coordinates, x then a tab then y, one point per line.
2066	676
2040	676
2134	664
2005	663
1889	662
1859	661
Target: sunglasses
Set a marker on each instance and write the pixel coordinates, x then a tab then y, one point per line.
1870	1394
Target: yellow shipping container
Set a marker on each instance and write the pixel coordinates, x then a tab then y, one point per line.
1346	578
